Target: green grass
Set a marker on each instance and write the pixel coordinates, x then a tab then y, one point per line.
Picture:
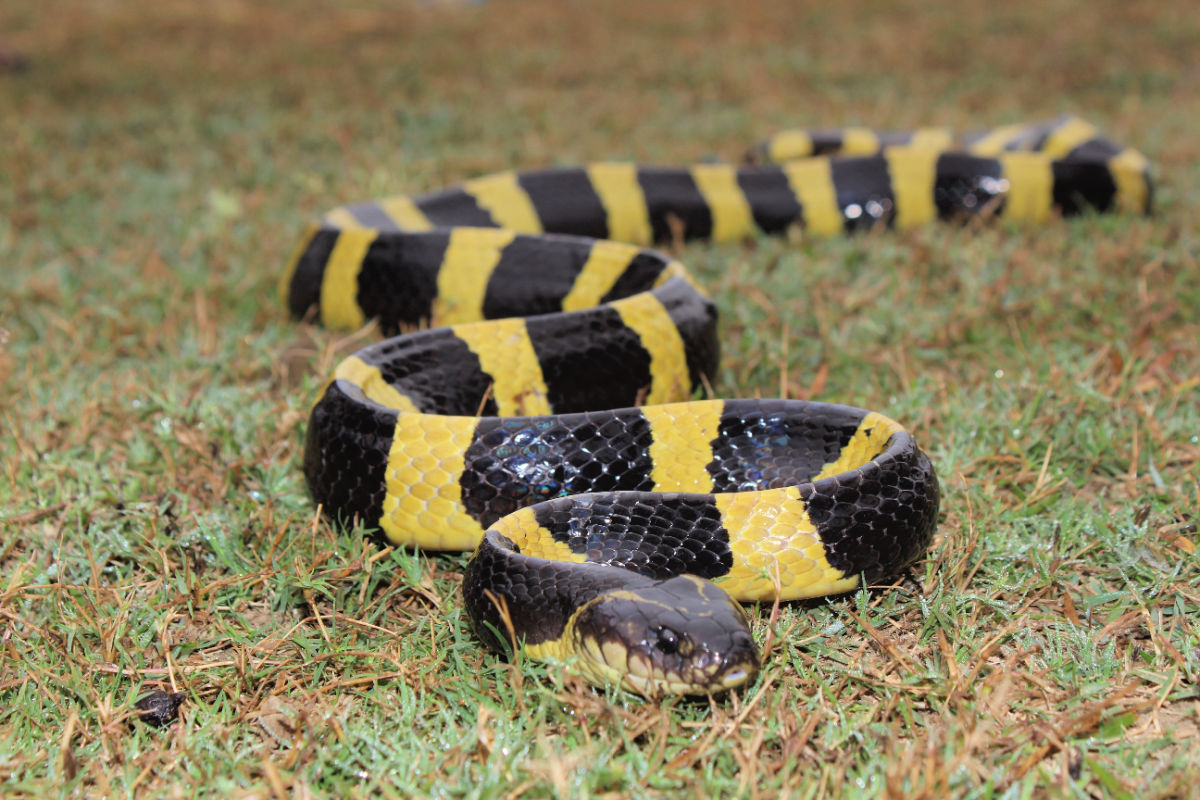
159	163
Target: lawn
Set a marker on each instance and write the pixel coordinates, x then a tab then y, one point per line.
158	163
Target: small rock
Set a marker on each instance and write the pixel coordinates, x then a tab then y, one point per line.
159	708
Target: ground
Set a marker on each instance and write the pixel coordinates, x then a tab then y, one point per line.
158	164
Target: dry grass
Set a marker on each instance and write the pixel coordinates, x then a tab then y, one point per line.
159	160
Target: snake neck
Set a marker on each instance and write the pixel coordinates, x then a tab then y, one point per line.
515	598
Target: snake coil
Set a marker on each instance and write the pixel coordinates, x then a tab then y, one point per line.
543	420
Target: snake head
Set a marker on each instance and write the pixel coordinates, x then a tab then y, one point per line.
679	636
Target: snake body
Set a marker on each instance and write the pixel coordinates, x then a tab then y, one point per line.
622	540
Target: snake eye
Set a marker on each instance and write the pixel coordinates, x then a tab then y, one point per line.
668	641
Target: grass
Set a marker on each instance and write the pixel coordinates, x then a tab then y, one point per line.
159	162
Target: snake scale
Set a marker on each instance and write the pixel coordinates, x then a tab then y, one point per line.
535	405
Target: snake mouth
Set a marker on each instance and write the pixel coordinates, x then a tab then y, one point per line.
652	680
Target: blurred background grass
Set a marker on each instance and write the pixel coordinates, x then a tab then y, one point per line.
158	163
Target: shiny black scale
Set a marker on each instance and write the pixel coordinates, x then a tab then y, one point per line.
515	462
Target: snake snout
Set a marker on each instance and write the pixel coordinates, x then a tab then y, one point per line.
728	663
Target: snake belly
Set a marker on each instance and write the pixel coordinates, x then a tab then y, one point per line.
541	417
